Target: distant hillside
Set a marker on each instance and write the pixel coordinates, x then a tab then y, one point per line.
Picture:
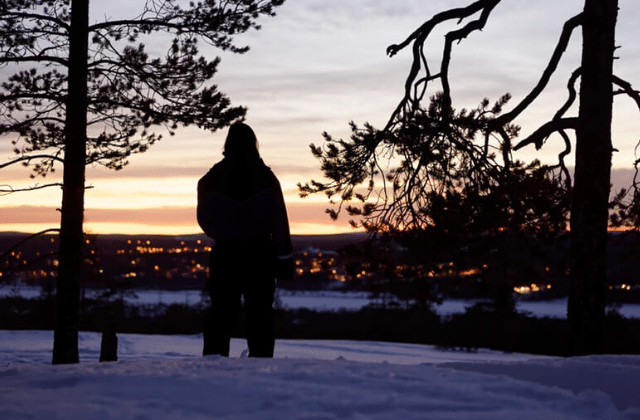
299	242
326	242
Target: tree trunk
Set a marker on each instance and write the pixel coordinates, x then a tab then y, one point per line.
65	342
589	209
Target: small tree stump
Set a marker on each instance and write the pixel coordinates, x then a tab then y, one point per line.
109	346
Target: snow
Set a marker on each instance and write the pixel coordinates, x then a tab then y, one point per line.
323	300
164	377
336	300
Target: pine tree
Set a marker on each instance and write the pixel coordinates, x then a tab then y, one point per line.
395	172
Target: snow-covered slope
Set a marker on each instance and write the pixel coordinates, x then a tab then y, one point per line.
161	377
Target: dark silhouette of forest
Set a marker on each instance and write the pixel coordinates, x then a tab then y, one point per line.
404	314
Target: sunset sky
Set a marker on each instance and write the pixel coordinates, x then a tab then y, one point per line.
314	67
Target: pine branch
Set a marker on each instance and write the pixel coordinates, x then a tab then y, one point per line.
34	59
35	16
30	158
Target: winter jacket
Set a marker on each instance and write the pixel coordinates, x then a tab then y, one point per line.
242	200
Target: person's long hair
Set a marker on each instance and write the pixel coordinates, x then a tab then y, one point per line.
244	163
241	143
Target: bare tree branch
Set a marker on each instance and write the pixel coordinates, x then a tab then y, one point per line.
419	60
627	89
564	171
573	94
7	189
561	47
458	35
539	136
423	31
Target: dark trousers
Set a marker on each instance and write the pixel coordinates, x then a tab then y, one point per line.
241	269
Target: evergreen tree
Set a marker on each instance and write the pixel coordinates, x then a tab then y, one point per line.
396	176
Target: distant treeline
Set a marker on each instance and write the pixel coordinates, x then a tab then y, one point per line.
470	331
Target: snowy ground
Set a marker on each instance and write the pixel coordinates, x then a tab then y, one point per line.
164	377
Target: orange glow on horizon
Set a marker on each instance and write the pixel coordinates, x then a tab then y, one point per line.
114	228
305	219
178	227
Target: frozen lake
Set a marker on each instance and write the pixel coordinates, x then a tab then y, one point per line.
335	301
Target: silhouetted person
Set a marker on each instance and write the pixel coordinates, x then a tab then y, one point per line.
241	206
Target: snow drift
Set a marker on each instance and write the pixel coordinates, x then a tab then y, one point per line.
164	377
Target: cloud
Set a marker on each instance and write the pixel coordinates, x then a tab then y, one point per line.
320	64
145	171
